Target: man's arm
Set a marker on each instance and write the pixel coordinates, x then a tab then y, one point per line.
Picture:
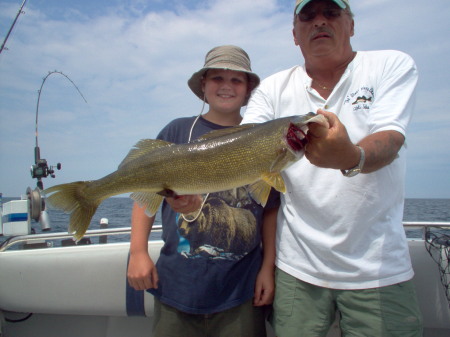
333	148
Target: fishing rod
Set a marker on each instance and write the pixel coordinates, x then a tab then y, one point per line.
12	26
40	169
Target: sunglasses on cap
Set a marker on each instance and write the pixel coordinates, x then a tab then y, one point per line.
307	15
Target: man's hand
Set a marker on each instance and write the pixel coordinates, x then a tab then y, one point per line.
331	148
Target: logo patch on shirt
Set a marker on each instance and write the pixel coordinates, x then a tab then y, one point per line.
361	99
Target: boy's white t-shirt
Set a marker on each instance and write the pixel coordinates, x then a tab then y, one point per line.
334	231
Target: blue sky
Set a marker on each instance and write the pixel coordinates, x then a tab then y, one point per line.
131	61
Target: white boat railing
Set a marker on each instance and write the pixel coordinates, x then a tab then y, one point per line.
425	226
30	238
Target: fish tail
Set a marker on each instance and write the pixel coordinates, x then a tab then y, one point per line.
73	199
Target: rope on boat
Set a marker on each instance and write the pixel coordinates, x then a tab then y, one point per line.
23	319
438	245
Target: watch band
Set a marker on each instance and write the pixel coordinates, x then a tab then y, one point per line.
357	169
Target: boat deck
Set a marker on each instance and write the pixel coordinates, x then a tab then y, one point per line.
77	291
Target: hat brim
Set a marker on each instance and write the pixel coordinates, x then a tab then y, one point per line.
340	3
195	82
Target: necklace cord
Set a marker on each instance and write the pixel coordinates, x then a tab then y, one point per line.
189	140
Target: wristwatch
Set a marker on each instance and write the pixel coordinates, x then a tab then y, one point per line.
357	169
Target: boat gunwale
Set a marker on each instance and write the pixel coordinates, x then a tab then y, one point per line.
425	225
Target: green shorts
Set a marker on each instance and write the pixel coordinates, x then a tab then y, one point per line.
243	320
302	309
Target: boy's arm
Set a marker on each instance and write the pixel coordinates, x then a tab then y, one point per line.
142	273
265	281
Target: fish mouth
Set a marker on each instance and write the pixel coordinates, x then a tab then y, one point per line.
296	138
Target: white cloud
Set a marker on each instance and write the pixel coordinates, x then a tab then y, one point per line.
131	60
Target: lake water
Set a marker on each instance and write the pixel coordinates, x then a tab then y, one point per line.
118	212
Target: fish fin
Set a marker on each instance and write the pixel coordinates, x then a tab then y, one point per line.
151	201
259	191
224	132
144	147
71	198
275	180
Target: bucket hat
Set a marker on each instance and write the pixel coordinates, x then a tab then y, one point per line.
299	4
226	57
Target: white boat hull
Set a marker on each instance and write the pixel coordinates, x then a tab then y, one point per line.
82	291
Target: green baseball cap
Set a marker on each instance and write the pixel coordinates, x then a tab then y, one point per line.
299	4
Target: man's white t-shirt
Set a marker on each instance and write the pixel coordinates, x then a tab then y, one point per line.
334	231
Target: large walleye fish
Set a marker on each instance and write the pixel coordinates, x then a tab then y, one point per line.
249	154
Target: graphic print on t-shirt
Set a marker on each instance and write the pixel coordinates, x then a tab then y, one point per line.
225	229
362	99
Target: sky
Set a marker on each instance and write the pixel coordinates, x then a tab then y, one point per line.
131	59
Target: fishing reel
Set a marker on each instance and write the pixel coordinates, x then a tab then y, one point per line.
41	169
36	208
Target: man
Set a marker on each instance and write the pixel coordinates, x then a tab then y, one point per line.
340	241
